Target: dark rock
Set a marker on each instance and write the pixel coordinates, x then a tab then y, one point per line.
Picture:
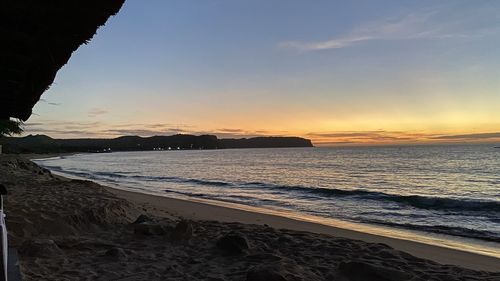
116	253
141	219
233	243
360	271
40	248
182	231
148	228
265	274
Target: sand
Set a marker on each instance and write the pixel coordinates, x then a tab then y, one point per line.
205	211
78	230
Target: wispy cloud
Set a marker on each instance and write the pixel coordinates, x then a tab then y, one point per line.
335	43
418	25
51	103
101	129
357	137
62	132
397	137
407	27
466	137
231	130
62	128
52	123
243	133
33	124
75	129
94	112
140	132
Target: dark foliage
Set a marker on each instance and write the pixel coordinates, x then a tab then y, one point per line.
10	127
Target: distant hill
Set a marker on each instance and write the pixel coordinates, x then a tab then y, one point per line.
45	144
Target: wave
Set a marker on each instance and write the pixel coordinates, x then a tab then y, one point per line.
231	198
112	175
46	159
206	182
107	175
442	229
82	174
55	168
447	204
415	201
182	180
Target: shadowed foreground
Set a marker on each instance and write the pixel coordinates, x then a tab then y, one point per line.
77	230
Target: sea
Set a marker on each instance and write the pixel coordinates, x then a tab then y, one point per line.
449	193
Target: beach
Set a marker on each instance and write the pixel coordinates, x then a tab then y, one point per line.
68	229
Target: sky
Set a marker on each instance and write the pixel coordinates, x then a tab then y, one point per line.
336	72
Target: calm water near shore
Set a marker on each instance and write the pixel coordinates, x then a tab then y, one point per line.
452	190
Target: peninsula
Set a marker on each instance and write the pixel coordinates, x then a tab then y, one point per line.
46	144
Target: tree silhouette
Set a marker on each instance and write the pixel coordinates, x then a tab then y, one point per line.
10	127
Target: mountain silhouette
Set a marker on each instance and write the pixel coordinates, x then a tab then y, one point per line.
46	144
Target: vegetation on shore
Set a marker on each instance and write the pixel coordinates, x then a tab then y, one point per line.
9	127
45	144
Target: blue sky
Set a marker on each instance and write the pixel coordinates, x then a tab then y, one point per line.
383	71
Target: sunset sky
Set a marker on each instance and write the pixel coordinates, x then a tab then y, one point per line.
337	72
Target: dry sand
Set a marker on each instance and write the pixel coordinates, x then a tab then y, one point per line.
78	230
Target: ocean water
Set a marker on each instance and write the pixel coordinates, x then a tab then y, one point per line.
452	190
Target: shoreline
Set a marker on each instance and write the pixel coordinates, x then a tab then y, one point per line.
432	239
72	229
204	211
199	209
